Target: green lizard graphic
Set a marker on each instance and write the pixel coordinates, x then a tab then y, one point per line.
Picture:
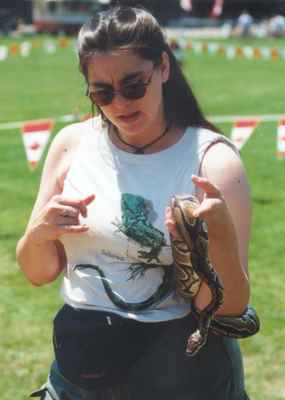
163	289
137	226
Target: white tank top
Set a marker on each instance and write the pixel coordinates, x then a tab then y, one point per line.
123	264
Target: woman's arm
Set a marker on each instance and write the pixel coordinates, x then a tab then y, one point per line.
39	252
226	207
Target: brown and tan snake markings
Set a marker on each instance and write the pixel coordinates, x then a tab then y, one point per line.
190	253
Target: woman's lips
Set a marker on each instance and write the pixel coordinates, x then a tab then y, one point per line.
129	117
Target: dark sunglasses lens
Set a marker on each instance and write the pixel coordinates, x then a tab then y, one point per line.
135	91
131	92
102	97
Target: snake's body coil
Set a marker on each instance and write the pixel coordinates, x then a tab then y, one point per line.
190	254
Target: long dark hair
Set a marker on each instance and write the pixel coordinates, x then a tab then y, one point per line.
135	28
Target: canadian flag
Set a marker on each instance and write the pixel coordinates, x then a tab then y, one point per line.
242	130
217	9
35	136
281	139
186	5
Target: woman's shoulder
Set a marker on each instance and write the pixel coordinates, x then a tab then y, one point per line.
208	135
65	145
207	139
71	135
68	139
220	158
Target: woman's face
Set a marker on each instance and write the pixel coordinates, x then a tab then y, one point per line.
114	70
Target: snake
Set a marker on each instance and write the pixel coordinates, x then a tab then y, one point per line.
192	266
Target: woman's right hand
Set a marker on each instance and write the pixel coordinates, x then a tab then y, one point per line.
59	216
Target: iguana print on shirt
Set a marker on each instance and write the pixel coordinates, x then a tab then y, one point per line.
136	225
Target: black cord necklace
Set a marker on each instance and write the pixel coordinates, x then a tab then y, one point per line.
140	150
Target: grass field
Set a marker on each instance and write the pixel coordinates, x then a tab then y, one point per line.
42	86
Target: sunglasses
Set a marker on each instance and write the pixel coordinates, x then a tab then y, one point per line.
130	91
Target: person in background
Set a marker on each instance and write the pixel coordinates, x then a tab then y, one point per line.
276	26
101	222
244	24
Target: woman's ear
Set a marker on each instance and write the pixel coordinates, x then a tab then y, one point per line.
165	67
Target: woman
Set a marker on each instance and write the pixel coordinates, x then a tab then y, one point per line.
102	220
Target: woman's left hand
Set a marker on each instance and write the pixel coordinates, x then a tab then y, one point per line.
213	209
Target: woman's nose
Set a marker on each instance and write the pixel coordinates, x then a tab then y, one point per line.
120	101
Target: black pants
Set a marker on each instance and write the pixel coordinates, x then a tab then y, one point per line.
146	360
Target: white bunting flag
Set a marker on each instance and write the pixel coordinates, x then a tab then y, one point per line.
242	130
197	47
231	52
25	49
213	48
248	52
265	52
3	52
35	136
49	47
281	139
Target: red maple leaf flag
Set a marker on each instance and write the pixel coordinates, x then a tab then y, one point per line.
281	139
186	5
35	136
242	130
217	9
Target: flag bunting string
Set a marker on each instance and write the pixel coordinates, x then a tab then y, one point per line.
227	51
178	44
35	136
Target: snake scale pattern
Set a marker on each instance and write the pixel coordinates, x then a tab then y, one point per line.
190	254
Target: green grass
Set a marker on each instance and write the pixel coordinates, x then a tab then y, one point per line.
44	86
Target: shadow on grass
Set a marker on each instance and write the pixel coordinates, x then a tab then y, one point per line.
265	201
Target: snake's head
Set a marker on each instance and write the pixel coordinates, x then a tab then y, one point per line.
182	207
185	204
